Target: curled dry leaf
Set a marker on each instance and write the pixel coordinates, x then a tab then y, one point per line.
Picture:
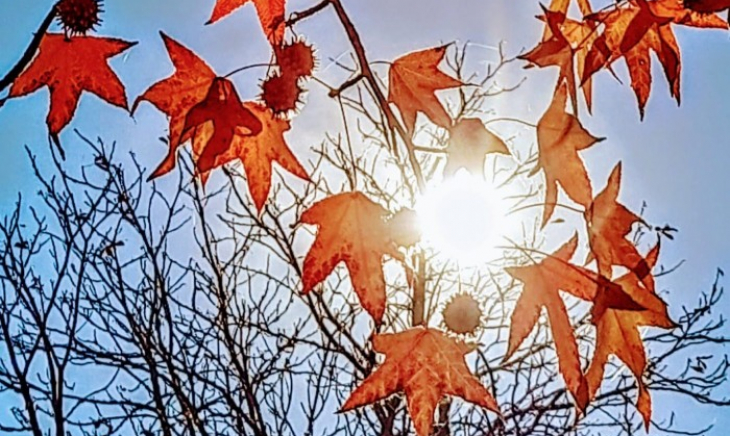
176	95
617	333
426	365
413	80
69	66
469	144
560	136
609	222
566	46
707	6
637	29
270	13
222	108
258	153
355	230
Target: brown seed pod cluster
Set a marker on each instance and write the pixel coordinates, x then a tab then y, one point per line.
79	16
462	315
296	58
281	92
404	229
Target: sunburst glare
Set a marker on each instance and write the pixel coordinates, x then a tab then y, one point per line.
463	218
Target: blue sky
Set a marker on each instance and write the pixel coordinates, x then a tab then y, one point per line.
676	159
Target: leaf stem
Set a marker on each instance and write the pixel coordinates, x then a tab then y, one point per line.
248	67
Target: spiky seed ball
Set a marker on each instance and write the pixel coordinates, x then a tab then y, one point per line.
296	58
462	314
281	93
78	16
404	229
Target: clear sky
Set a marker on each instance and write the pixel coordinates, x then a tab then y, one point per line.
676	159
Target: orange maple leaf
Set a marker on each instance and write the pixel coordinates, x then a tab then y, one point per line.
560	136
426	365
469	144
678	12
258	153
177	94
68	66
659	39
617	333
543	282
609	222
222	108
270	12
565	45
634	31
707	6
352	229
413	80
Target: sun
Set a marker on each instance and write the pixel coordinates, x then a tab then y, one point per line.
463	218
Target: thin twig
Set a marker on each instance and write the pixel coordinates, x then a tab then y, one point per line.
29	52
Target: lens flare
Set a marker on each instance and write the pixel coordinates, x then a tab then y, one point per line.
463	218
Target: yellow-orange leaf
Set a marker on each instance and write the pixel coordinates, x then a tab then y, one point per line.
469	144
355	230
609	222
426	365
413	80
566	46
617	333
635	30
543	283
560	136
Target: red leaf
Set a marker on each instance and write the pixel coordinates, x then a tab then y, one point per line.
413	80
353	230
259	152
426	365
177	94
270	12
560	136
68	66
707	6
223	108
